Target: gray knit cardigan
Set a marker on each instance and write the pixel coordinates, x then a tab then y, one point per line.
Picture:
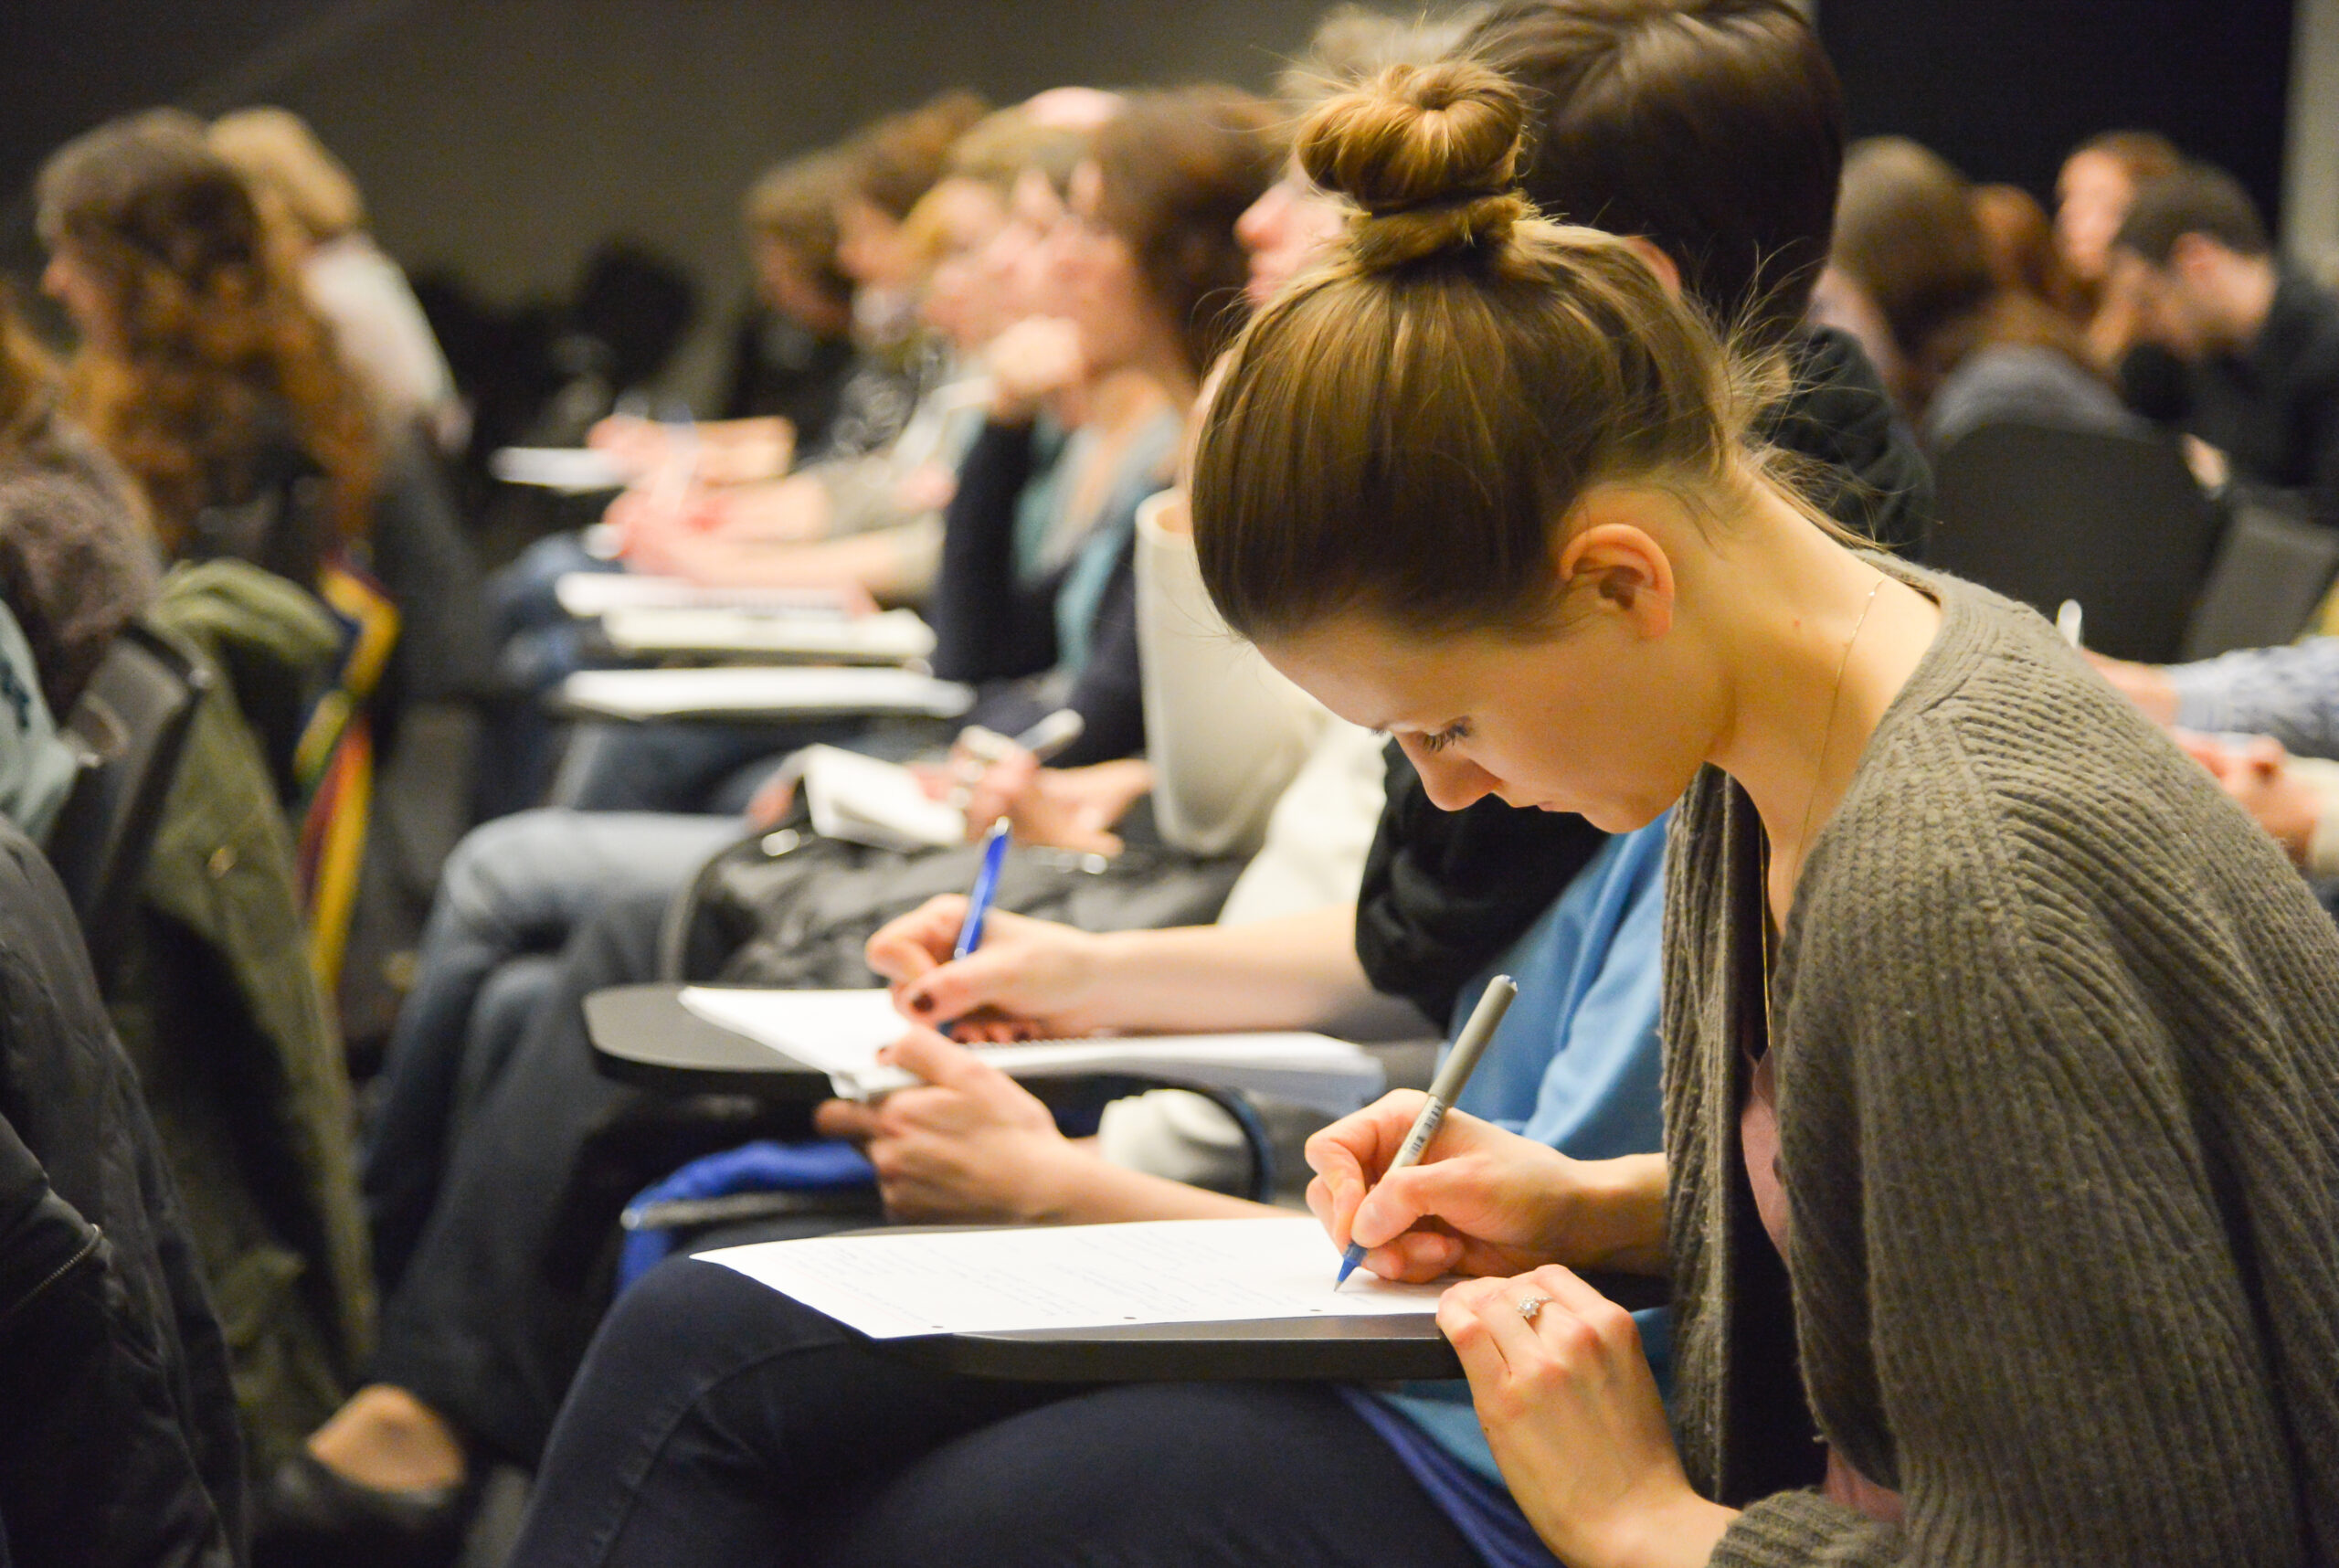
2058	1042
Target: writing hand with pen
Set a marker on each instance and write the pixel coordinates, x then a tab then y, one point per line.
1561	1386
969	1143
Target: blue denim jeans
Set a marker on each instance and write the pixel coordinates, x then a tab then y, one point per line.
514	887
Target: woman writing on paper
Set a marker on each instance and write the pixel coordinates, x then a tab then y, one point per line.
1999	1062
2033	1234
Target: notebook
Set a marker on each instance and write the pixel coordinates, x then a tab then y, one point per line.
891	637
866	801
752	692
840	1031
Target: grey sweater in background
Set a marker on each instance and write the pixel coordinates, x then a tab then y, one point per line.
2058	1055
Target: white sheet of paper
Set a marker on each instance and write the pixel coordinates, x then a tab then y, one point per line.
836	1032
588	594
890	637
868	800
1073	1276
658	693
573	470
840	1031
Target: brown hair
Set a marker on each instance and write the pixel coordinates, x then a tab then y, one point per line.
2200	198
1000	146
1906	231
215	348
1712	128
1179	168
895	161
28	388
2144	154
795	205
1353	42
2019	245
1399	433
281	160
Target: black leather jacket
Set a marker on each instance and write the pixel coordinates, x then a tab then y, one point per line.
118	1439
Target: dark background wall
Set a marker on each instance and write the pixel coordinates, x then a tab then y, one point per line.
501	140
2004	88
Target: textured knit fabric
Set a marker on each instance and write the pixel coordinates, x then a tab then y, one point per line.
2059	1107
2291	693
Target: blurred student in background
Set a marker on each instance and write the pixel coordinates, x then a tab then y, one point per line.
77	560
1971	350
872	524
201	367
793	347
477	1344
2259	339
2097	182
2018	243
378	329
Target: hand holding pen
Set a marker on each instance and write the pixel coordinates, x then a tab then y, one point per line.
979	902
1453	1076
1481	1200
978	750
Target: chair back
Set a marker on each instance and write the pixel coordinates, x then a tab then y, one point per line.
2271	571
2115	520
129	726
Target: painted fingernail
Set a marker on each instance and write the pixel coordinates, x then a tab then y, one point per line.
921	1003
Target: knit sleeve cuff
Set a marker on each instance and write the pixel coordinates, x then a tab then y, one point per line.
1795	1529
2203	696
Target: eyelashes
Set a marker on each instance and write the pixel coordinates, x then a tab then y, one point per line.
1437	741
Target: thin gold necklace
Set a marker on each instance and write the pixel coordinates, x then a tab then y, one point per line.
1818	777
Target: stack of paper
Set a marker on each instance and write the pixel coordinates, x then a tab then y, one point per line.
731	693
840	1031
893	637
1075	1276
586	595
866	801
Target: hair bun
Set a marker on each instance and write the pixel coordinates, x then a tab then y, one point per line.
1429	153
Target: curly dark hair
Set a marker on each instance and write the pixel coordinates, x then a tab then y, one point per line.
212	354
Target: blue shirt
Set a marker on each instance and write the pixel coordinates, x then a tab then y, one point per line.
1574	1065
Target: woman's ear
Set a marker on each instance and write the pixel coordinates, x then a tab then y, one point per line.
1659	261
1608	550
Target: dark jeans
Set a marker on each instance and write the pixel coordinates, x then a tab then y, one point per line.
520	885
480	1327
717	1423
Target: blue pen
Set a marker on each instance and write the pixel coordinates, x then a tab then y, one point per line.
1444	1090
970	933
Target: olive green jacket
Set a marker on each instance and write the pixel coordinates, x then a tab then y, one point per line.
234	1041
